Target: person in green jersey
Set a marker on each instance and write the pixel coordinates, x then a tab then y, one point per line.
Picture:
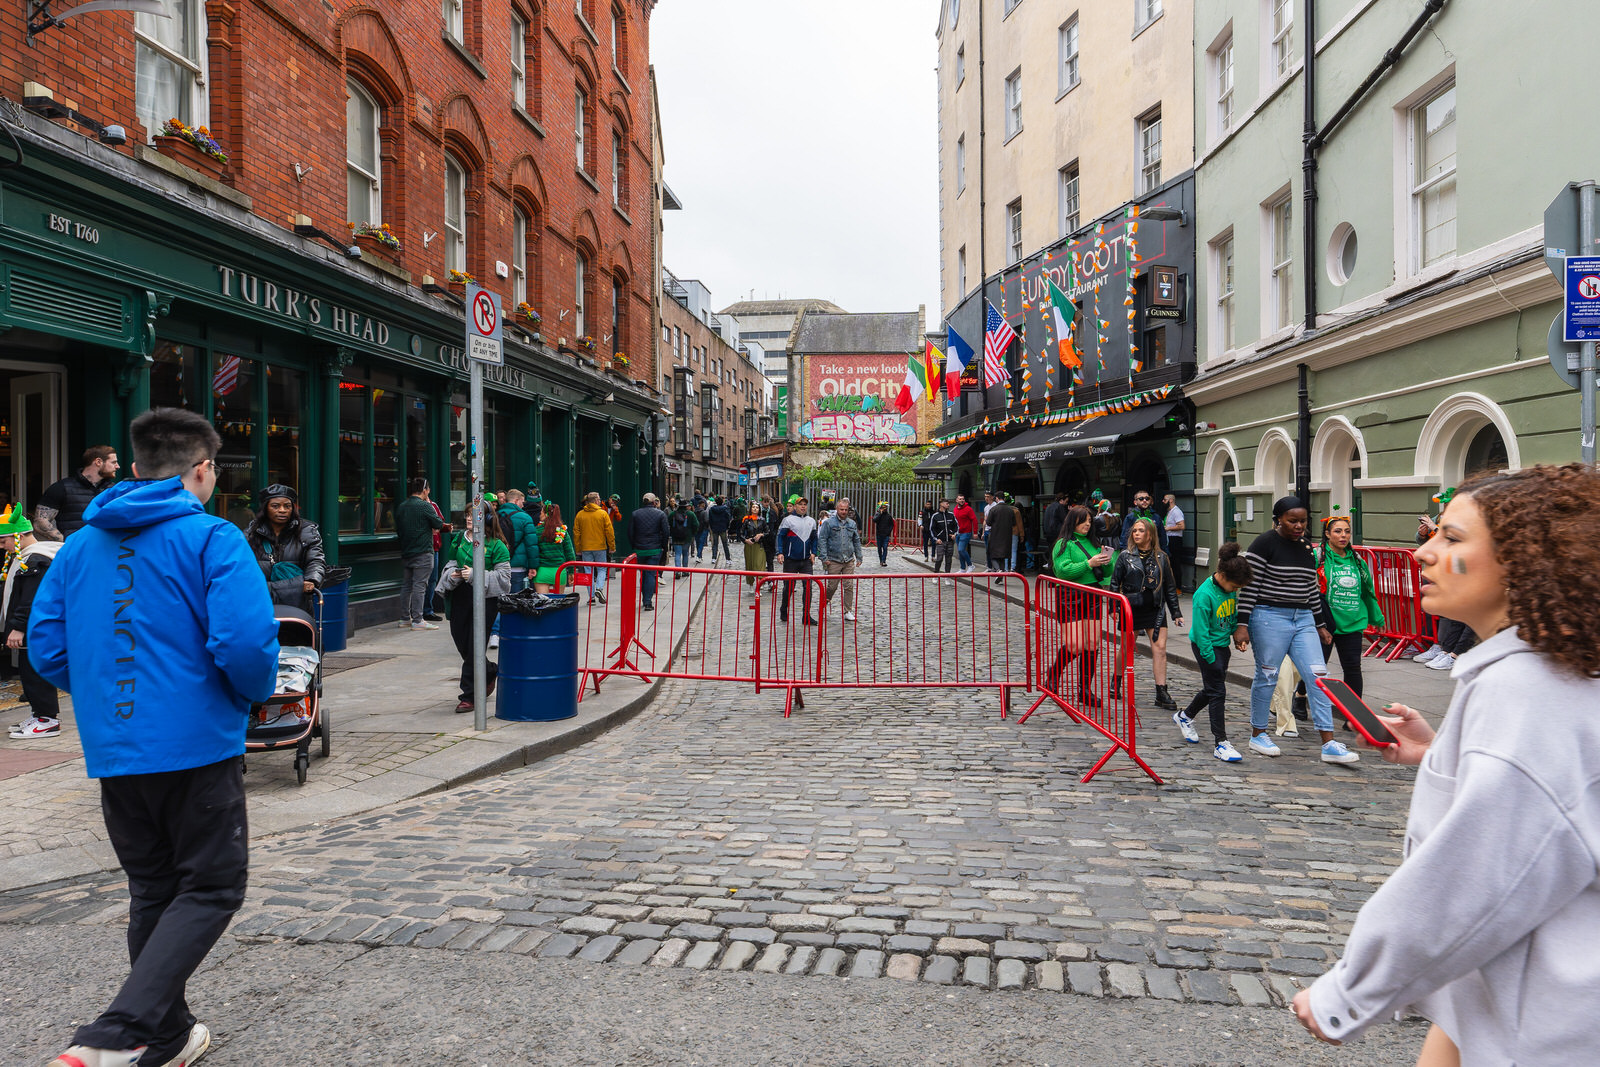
1213	614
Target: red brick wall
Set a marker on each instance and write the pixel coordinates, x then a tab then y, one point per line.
276	90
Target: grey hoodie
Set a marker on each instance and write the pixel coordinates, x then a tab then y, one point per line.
1489	927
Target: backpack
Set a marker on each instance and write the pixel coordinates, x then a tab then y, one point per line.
680	526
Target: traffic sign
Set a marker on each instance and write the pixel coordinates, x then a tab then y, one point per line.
1565	359
484	335
1583	298
1561	230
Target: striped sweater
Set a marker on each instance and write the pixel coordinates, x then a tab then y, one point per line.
1285	577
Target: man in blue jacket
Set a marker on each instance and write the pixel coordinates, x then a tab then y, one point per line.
155	618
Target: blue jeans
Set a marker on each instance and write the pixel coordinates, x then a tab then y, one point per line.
680	553
964	550
598	573
647	579
700	541
1292	632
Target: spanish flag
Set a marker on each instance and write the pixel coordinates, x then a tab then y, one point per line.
933	360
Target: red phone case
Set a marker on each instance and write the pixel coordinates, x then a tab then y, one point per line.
1355	723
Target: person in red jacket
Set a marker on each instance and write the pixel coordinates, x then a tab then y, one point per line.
967	524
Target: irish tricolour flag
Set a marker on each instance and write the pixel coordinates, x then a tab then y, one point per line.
916	383
1064	312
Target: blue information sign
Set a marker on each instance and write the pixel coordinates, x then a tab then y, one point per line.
1583	298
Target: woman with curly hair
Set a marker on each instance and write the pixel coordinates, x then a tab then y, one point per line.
1487	928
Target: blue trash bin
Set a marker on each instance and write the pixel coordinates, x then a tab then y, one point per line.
334	615
538	679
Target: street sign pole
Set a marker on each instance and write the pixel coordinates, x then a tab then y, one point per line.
483	346
1586	365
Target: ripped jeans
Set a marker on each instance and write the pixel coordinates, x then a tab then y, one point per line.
1274	633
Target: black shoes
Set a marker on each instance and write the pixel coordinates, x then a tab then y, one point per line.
1164	699
1299	709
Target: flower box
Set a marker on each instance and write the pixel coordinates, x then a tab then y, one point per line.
373	246
182	151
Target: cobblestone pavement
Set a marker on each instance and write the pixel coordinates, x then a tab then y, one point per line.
906	834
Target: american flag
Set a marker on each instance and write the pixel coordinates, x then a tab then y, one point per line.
227	375
997	337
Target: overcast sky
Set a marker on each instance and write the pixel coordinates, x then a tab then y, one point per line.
801	137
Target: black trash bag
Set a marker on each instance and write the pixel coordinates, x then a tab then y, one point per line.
335	575
531	602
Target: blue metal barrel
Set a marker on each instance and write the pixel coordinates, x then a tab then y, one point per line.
334	615
539	664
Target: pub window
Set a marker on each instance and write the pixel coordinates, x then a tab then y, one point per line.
387	490
236	412
416	438
353	458
173	371
498	431
285	416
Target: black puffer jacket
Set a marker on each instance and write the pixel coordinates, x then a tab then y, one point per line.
300	544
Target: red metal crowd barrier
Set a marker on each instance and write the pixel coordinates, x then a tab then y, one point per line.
1397	576
1084	637
907	533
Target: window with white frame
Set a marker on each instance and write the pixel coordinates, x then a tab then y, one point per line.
1280	277
961	271
1010	4
1014	232
616	316
580	279
169	67
519	255
955	12
1222	86
617	161
454	20
1224	334
1145	12
580	126
1432	130
961	163
363	166
1067	193
455	214
1150	151
961	65
1014	102
616	38
519	61
1067	47
1280	46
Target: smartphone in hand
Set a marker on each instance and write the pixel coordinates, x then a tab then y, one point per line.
1366	722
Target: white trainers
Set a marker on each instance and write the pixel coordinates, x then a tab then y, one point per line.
199	1042
1264	745
83	1056
424	625
1442	662
494	640
1186	724
406	623
849	616
35	727
1226	752
1289	731
1429	654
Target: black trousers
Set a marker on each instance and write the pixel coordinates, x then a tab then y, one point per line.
1213	689
461	634
1454	637
720	538
182	839
943	554
797	566
40	694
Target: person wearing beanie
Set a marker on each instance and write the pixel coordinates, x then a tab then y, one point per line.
26	560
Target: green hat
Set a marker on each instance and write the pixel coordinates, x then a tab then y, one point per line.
13	521
794	499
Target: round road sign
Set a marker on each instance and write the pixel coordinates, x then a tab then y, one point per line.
483	314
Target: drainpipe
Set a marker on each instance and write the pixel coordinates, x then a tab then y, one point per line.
983	194
1314	138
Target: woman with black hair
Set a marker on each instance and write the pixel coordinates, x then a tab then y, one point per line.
456	582
1281	613
287	547
1143	574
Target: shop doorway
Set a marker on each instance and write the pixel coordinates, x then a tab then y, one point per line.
32	434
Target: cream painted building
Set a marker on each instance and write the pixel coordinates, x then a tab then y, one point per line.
1052	113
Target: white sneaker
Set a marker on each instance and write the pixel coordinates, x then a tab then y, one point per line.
199	1041
1264	745
1190	734
849	616
35	727
1442	662
1429	654
404	623
1289	731
1226	752
494	640
84	1056
949	581
423	625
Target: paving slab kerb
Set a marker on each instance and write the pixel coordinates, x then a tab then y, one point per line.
900	836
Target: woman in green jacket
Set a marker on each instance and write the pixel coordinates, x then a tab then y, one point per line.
555	548
456	579
1351	595
1076	559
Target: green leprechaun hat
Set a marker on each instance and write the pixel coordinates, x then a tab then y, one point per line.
13	521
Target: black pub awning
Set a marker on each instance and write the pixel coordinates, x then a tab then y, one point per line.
942	461
1090	437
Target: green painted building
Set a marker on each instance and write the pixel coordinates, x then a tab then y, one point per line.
132	283
1417	302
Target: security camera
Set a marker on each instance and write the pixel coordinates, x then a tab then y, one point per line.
353	252
113	135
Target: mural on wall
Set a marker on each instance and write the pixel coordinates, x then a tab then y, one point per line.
850	400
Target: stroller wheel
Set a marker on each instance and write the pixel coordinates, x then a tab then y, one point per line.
322	730
301	762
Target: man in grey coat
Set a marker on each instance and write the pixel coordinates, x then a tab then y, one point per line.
839	546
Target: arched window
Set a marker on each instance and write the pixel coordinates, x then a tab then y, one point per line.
619	173
619	40
618	296
580	295
519	255
363	156
455	214
582	122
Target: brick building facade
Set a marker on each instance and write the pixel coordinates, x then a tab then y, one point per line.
505	139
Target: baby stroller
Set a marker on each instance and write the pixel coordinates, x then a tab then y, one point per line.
293	715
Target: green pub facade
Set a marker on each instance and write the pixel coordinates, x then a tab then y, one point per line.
125	286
